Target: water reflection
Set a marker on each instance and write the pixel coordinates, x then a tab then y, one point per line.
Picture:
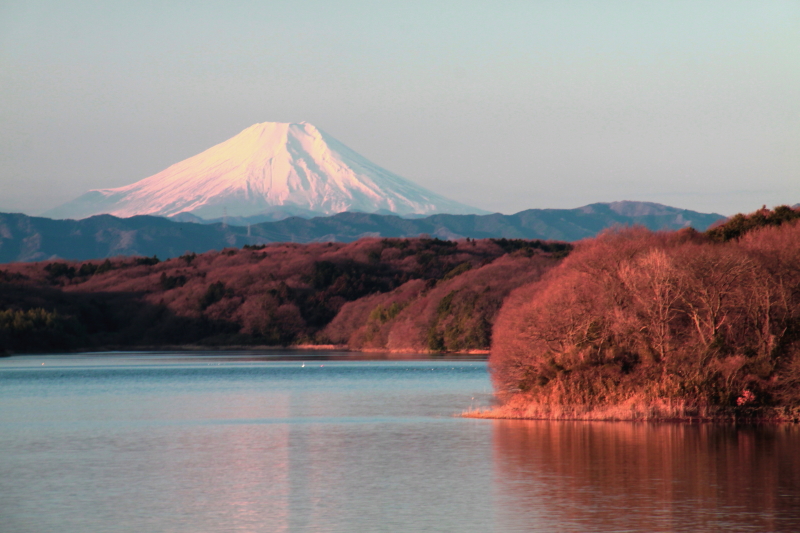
584	476
175	444
157	443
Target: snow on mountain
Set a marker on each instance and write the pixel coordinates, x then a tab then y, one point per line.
270	164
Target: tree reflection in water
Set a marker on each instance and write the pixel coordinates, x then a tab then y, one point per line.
602	476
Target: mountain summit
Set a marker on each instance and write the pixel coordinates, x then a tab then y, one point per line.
292	165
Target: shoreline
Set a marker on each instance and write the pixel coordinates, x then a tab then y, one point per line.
658	411
728	419
245	347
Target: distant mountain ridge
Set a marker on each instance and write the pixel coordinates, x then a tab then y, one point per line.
293	167
25	238
271	215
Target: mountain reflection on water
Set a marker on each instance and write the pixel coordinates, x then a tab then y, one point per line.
305	442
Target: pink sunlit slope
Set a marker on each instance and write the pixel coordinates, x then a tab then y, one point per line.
269	164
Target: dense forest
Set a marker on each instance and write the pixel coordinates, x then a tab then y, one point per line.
637	324
375	294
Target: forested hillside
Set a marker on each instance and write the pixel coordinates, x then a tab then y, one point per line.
396	294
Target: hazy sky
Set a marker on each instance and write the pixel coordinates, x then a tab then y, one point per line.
501	105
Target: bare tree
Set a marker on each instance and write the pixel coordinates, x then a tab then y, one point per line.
657	289
715	278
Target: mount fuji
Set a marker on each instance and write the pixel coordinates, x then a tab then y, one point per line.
293	167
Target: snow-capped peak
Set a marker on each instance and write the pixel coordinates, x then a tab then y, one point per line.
266	165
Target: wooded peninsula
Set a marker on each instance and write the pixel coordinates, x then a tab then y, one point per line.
673	325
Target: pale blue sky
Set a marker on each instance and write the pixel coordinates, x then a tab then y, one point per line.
504	107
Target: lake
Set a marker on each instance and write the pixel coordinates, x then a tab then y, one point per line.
294	441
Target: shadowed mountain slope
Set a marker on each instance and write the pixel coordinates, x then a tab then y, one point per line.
24	238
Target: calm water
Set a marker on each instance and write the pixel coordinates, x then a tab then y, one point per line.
195	443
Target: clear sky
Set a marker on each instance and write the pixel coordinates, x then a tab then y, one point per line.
501	105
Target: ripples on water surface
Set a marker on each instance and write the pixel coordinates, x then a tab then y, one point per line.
168	442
